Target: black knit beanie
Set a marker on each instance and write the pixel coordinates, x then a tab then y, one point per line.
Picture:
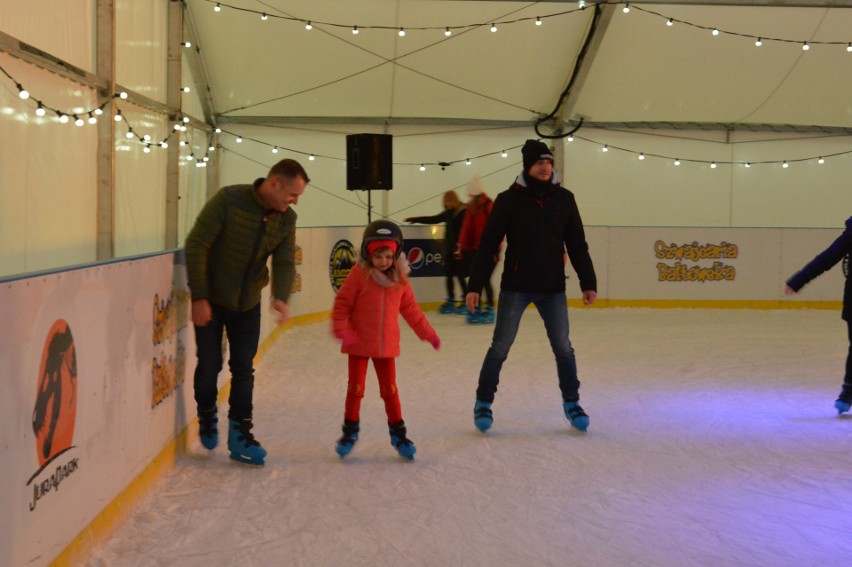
533	151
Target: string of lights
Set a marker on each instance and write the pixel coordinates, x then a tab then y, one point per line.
90	116
180	126
448	30
604	147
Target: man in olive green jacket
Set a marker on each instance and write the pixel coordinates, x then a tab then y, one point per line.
237	231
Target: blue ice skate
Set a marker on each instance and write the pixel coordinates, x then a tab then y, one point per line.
575	414
447	307
475	317
403	445
208	428
486	316
242	444
482	417
461	308
842	406
350	436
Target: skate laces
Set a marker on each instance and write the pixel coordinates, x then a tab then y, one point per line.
246	435
207	423
575	411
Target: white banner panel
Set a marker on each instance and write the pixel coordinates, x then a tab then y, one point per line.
95	386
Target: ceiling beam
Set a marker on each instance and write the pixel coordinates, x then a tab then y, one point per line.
425	121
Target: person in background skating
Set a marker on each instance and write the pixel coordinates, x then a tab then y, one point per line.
840	248
540	221
478	210
453	216
365	317
226	255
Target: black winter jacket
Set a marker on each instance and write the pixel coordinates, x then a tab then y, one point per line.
824	262
539	229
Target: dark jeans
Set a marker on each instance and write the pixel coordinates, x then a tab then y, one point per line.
452	271
846	393
243	330
553	309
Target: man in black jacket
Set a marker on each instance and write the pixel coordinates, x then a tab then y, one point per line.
839	249
541	222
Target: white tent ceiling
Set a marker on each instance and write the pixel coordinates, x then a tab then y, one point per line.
598	63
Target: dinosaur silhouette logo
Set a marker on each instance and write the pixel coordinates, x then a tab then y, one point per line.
56	401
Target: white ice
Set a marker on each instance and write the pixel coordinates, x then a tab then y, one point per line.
713	442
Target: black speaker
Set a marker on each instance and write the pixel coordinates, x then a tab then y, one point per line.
369	160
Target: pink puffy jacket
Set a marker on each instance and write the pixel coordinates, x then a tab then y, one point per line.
372	312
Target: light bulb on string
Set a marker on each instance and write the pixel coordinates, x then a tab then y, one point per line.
849	48
785	165
117	116
122	95
98	111
63	118
217	7
40	110
92	119
493	28
146	138
129	134
182	143
605	149
147	149
467	161
164	144
805	46
185	89
641	156
78	121
211	148
187	44
275	150
401	32
264	17
670	22
205	159
504	153
626	8
218	130
677	161
537	21
354	30
715	31
759	42
820	160
713	165
308	26
422	167
22	92
581	4
747	164
311	157
239	139
570	138
447	32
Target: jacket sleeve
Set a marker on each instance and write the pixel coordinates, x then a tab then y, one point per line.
414	316
344	302
284	263
444	216
489	245
825	260
199	243
578	250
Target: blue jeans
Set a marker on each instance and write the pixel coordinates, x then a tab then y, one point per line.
243	330
553	308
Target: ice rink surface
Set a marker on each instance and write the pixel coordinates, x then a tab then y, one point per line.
713	442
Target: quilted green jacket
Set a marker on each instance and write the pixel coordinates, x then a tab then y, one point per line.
228	248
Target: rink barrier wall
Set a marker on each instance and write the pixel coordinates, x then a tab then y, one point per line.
106	351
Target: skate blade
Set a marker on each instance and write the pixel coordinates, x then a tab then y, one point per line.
236	457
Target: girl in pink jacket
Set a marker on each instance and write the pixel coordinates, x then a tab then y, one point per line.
365	318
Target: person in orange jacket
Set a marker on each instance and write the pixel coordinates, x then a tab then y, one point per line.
365	317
